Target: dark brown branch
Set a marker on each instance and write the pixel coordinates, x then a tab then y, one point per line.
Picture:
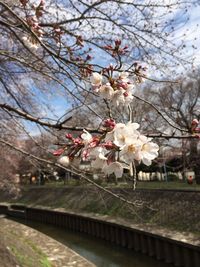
58	126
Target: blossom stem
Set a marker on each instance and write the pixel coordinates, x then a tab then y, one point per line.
134	175
130	113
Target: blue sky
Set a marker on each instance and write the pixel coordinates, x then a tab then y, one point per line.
187	28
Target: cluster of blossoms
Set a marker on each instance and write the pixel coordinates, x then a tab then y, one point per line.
119	146
57	34
118	90
76	51
33	22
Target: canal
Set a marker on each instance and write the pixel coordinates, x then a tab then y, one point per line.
100	252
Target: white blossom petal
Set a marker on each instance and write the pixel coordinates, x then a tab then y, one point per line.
118	97
106	91
64	161
86	136
114	167
96	79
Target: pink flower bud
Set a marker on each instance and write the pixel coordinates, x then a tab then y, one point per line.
108	47
195	122
58	152
88	57
111	67
77	141
123	85
68	136
197	130
94	142
108	145
118	42
39	13
35	25
109	123
57	30
24	2
79	40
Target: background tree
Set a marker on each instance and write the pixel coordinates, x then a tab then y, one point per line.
180	104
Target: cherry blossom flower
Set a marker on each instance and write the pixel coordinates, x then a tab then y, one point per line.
87	137
195	122
115	167
106	91
195	126
69	136
98	151
148	151
123	132
96	79
100	158
130	151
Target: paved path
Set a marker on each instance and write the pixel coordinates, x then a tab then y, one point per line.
58	254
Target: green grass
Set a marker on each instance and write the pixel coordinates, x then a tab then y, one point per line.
22	259
140	185
167	185
45	263
26	251
26	261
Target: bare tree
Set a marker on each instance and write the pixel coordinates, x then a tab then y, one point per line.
180	103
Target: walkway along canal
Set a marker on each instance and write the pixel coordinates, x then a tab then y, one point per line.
23	246
166	249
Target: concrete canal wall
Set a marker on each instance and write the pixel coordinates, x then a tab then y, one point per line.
166	247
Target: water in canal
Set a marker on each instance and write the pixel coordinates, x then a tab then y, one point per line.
100	252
